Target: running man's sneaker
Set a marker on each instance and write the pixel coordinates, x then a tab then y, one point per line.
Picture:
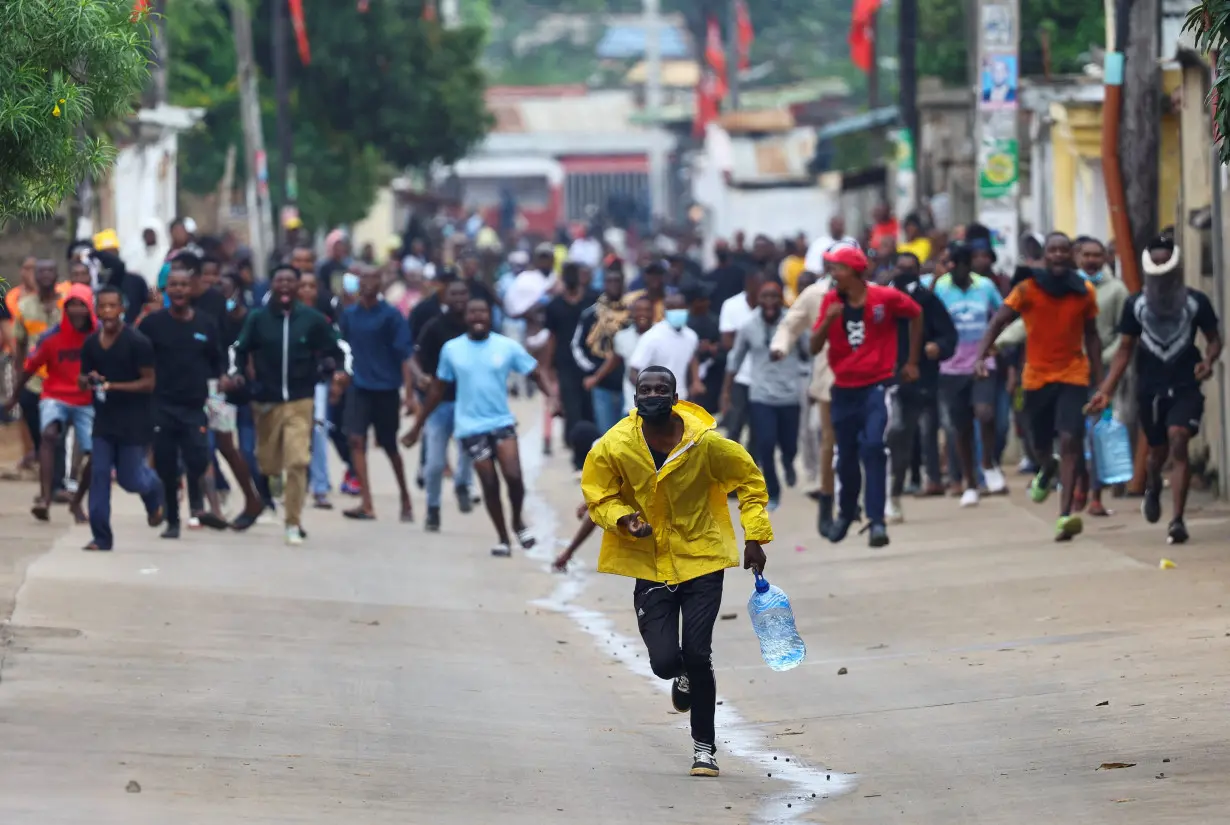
526	539
893	513
792	477
194	523
681	694
433	520
1151	507
295	535
878	536
824	523
171	531
1040	487
501	550
1068	527
969	498
704	763
350	485
996	483
773	505
464	502
1177	533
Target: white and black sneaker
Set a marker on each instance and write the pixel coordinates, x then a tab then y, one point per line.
704	762
681	694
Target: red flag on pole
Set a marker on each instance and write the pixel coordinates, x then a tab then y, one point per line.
744	34
707	99
862	33
296	20
715	57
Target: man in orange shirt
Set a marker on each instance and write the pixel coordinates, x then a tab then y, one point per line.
1060	313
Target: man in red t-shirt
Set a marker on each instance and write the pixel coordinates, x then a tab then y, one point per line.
858	323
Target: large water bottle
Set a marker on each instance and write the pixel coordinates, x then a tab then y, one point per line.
780	643
1113	449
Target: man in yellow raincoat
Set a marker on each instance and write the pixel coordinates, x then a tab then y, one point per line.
657	484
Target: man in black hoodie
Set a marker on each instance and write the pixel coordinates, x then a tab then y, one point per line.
288	343
910	400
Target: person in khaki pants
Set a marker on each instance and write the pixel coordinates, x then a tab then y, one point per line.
283	347
799	320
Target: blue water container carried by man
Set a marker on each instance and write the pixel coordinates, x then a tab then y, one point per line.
773	620
1113	450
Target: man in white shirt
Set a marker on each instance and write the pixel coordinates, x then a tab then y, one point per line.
735	313
672	344
813	262
585	250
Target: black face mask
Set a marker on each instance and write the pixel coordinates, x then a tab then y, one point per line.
655	407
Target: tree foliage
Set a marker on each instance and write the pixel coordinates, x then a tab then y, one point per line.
1209	21
384	90
65	69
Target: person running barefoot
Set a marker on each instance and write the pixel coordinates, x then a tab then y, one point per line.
1060	312
479	363
657	483
1159	326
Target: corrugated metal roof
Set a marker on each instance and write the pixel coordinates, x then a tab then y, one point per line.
611	109
627	40
676	74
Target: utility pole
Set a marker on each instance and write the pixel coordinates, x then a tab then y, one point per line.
732	53
659	191
281	90
260	216
1140	130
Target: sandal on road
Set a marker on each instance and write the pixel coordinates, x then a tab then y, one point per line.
359	514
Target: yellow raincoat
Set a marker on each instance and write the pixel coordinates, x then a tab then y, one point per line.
684	502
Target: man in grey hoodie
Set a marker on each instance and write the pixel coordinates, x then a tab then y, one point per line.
773	397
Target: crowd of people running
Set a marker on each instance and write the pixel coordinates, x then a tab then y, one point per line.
866	370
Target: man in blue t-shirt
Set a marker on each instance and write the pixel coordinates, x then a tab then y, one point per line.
971	300
479	364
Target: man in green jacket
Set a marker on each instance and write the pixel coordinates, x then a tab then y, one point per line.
282	349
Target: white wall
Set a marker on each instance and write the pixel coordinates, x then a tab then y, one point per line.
144	185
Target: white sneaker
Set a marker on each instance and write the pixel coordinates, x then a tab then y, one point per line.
996	483
892	513
969	498
294	536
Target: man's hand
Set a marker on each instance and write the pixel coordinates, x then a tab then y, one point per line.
424	382
834	311
230	383
583	510
410	405
411	438
909	373
753	556
589	382
776	355
724	404
1097	404
932	350
980	368
635	524
697	389
1204	371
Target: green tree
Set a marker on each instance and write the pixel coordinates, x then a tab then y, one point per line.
1210	22
364	106
66	69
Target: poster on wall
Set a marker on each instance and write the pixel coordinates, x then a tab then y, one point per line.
998	168
997	95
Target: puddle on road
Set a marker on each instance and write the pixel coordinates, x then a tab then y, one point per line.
808	784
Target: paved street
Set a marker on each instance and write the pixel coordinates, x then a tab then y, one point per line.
384	676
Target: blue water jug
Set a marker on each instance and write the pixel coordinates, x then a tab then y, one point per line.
780	643
1113	448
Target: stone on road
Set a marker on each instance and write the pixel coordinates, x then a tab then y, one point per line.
386	675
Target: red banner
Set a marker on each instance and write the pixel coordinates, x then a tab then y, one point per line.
715	57
296	20
745	35
862	33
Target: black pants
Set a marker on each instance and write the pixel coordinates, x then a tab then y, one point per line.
180	431
905	417
658	608
578	406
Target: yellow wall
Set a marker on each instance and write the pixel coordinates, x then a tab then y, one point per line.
1077	134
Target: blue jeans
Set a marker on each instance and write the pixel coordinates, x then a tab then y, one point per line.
860	419
777	429
245	426
436	433
134	476
318	469
608	407
81	419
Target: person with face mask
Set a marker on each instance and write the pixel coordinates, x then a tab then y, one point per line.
1159	327
657	477
911	401
563	317
773	398
478	365
858	324
1062	350
672	344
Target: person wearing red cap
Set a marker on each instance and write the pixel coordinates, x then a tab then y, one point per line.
858	324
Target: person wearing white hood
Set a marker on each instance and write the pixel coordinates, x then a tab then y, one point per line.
146	255
1159	327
